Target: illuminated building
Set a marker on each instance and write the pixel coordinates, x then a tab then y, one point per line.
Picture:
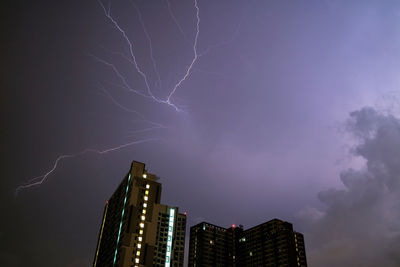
272	244
136	229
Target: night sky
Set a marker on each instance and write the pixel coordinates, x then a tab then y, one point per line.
290	111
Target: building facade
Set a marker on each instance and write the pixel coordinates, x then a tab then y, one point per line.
211	245
136	229
272	244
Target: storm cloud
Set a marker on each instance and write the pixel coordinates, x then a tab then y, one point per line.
361	223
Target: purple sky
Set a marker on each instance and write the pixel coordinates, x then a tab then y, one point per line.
273	116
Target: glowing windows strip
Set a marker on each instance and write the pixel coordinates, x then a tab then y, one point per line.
143	218
122	217
170	233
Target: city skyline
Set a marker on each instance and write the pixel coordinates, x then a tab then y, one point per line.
250	110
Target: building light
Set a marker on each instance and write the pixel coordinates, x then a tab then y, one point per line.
141	225
122	217
138	253
144	211
140	238
170	233
137	260
139	245
143	218
146	198
144	205
141	232
147	192
147	186
144	175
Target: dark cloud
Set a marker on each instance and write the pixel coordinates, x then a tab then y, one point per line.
361	223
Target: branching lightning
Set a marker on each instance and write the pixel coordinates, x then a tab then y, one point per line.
107	13
146	92
41	179
133	60
171	13
189	69
153	61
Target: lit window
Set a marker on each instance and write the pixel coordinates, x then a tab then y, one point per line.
147	186
144	211
143	218
146	198
140	238
141	231
137	260
147	192
138	253
139	245
145	205
144	175
211	242
251	253
141	225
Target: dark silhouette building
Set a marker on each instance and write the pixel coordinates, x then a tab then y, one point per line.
136	229
211	245
272	244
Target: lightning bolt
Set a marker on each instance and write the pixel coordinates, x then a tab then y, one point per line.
189	69
171	13
133	60
41	179
149	41
146	93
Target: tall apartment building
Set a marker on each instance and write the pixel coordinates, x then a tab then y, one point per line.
211	245
136	229
272	244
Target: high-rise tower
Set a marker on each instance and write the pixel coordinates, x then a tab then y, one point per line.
136	229
273	243
211	245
